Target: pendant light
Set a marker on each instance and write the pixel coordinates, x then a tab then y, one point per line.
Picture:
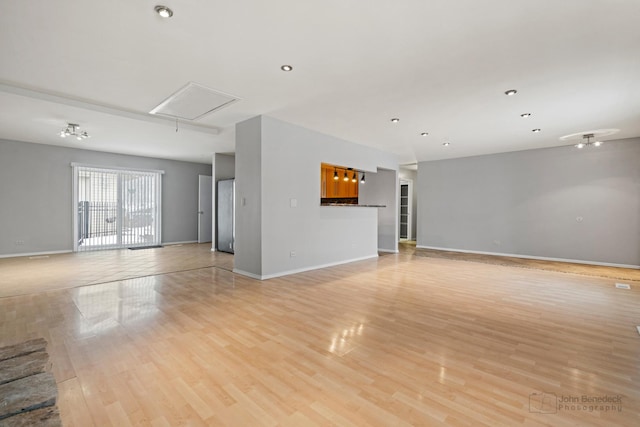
345	177
335	174
354	178
362	180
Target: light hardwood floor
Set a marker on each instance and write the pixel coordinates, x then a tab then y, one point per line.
397	341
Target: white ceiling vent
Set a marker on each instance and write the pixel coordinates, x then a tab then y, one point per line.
192	102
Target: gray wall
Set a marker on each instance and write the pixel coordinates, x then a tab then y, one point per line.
248	209
558	203
412	175
35	194
277	162
382	188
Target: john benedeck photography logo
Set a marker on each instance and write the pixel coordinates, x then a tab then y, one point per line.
551	403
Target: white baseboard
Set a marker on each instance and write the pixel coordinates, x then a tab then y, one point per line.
186	242
35	254
542	258
301	270
388	251
246	273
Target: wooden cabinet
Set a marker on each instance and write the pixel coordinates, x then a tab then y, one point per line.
331	188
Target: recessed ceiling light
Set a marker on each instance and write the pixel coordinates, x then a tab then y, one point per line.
424	134
525	115
286	68
511	92
535	130
163	11
395	120
446	143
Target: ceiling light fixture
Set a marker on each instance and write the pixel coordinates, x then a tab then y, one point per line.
72	129
525	115
511	92
335	174
446	143
395	120
354	178
536	130
346	177
424	134
362	179
588	137
163	11
286	68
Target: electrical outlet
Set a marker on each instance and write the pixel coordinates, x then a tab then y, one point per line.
292	254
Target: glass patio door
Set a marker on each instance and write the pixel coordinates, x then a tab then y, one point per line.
116	208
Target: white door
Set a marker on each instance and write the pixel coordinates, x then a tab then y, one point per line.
204	208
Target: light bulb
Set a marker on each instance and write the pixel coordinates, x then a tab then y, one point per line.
597	143
164	11
579	145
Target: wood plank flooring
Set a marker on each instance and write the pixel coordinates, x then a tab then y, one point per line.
70	270
396	341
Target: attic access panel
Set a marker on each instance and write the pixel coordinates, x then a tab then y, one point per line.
192	102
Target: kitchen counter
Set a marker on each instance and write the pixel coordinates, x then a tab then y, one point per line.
351	205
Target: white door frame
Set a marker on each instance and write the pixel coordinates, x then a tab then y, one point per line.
205	208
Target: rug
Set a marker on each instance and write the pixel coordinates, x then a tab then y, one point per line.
616	273
28	393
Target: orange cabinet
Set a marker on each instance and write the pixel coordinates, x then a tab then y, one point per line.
331	188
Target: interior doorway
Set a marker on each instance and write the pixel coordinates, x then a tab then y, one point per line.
405	221
205	208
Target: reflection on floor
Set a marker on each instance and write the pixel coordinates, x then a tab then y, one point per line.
63	271
399	340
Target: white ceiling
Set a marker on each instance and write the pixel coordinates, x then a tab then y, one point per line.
441	66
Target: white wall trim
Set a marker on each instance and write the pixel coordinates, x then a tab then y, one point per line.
301	270
35	254
389	251
246	273
575	261
186	242
118	168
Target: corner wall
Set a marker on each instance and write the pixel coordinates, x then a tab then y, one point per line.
295	233
382	188
553	203
36	186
